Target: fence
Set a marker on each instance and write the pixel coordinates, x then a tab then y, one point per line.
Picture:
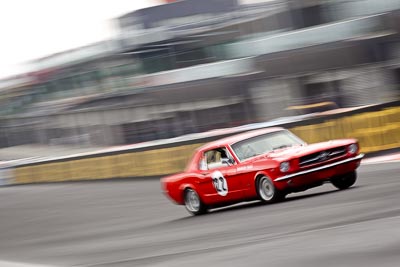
376	130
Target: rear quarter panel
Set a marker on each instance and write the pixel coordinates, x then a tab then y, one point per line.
174	185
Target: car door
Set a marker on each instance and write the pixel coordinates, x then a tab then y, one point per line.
221	181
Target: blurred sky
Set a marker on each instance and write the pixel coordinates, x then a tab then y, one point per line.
34	28
31	29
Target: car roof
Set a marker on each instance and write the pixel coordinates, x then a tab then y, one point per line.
238	137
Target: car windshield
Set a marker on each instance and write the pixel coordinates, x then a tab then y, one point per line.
265	143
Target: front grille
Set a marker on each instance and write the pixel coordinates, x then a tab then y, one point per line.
322	156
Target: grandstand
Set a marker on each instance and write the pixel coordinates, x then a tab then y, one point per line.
191	66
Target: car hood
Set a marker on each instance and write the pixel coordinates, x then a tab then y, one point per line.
299	151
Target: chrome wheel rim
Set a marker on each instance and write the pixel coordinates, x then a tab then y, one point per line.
267	189
192	201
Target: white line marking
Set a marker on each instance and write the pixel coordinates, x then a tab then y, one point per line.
19	264
382	159
378	162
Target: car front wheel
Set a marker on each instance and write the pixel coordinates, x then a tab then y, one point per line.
193	202
267	192
344	181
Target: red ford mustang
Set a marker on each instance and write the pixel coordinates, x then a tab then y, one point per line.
265	164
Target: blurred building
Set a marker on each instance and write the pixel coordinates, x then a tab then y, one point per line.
191	66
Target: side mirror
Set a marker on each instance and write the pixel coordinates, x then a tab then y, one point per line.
227	161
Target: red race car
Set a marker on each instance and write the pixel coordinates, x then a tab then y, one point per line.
265	164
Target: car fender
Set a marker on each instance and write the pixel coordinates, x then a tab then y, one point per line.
270	174
190	185
260	173
183	186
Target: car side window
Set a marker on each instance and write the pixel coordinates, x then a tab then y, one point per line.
215	158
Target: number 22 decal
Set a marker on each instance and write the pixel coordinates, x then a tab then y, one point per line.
219	183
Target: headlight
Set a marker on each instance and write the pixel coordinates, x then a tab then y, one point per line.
353	148
284	166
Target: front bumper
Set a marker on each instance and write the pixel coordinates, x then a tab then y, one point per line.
321	168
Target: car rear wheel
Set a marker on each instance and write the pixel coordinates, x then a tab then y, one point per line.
267	192
193	202
344	181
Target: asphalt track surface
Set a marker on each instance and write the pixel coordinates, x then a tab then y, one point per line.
130	223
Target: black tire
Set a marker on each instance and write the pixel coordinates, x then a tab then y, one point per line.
344	181
193	203
267	192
